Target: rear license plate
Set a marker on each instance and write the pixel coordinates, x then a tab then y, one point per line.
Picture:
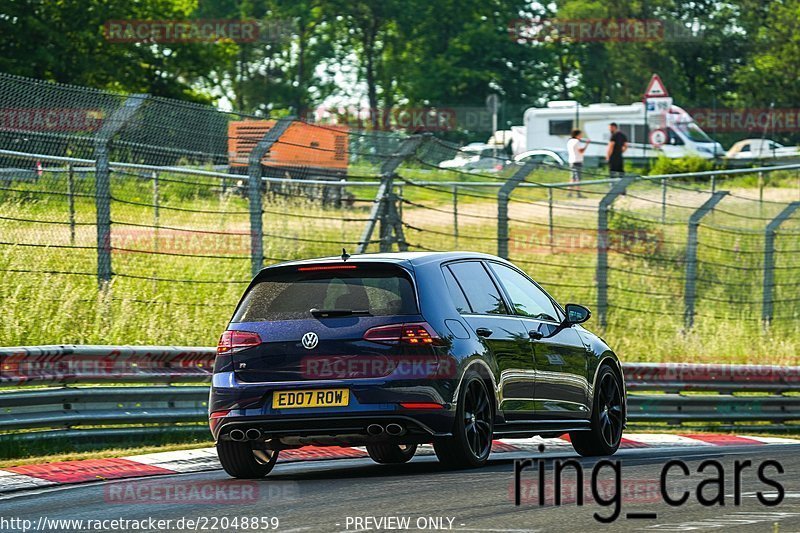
290	399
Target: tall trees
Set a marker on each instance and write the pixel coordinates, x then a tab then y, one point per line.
445	53
63	40
772	72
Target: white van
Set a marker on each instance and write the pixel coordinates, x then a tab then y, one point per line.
549	127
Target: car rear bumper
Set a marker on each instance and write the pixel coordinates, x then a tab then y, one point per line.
343	430
237	405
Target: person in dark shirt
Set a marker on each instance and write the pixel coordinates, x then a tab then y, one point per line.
617	145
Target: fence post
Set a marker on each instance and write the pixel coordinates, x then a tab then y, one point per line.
550	216
400	204
503	196
617	189
691	256
102	175
769	260
71	199
384	206
392	221
254	197
156	214
455	213
663	200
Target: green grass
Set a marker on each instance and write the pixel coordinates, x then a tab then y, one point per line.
144	304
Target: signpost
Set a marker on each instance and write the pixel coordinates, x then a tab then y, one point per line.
655	89
658	137
657	103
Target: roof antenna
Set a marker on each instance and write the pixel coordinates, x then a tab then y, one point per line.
345	255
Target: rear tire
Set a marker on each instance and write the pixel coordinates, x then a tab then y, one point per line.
391	454
241	461
607	418
471	443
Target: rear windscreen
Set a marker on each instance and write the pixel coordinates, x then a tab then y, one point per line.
290	294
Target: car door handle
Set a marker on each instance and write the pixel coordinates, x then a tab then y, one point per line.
535	335
483	332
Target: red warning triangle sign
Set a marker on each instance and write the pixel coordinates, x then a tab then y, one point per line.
655	88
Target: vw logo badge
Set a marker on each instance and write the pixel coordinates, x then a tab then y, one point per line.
310	340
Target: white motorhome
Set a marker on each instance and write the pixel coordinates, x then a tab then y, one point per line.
549	127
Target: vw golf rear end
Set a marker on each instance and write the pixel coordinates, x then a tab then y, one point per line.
328	353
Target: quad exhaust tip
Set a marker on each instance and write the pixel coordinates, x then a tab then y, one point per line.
374	430
237	435
253	434
395	430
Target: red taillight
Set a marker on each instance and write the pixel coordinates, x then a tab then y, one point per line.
421	405
232	341
326	267
417	333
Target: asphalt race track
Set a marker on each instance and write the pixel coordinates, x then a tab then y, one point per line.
358	495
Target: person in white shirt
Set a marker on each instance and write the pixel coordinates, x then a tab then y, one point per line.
575	154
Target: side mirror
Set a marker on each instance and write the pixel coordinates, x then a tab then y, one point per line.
576	314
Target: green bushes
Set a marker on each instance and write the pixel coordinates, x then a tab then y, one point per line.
665	165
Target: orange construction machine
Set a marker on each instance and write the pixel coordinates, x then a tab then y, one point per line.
304	150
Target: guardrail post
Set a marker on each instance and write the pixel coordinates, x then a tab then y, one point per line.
103	181
769	260
503	196
617	189
384	207
689	294
254	196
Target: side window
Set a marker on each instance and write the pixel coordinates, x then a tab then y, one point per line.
527	299
456	293
560	127
674	138
480	290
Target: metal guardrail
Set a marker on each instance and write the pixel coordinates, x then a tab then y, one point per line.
68	364
725	396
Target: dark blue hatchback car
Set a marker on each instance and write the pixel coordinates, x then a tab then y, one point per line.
389	351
